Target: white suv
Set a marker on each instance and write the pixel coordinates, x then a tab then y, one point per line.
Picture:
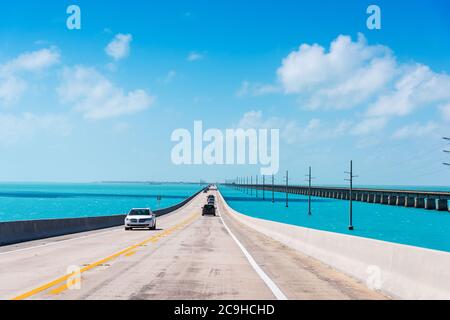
140	218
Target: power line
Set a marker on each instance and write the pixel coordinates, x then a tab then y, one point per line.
446	151
422	155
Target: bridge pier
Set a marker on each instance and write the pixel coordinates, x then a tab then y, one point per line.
392	200
384	199
370	197
409	202
377	198
400	201
419	202
430	204
442	205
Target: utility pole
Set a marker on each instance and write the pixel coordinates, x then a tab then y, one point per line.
264	187
273	188
309	176
351	176
287	186
256	186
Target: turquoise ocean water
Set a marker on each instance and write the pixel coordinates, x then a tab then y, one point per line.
31	201
416	227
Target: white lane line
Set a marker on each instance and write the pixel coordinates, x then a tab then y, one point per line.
264	277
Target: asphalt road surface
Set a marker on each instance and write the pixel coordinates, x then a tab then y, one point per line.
187	257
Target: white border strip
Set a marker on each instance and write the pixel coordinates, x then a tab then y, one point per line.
269	282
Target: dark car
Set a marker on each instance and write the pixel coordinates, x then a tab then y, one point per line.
211	197
209	209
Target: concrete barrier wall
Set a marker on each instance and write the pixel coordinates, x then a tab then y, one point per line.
402	271
20	231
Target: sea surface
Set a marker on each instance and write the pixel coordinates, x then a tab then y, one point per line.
410	226
33	201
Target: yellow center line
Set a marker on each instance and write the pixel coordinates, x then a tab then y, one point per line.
100	262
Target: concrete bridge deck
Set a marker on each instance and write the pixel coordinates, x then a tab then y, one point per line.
421	199
188	257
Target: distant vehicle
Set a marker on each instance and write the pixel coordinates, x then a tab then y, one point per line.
211	197
140	218
209	209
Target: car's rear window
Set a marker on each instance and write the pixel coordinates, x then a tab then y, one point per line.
140	212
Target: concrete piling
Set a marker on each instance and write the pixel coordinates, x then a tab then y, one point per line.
400	201
442	205
430	204
419	202
409	202
377	198
392	200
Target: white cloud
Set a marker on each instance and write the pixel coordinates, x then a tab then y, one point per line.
254	120
194	56
170	76
119	47
445	110
417	87
32	61
290	130
12	73
369	125
98	98
255	89
14	128
355	74
345	76
415	130
11	89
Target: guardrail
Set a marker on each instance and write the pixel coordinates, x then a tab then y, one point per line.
21	231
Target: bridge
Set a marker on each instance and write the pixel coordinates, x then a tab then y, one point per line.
189	256
430	200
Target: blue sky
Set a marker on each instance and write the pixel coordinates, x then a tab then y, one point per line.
381	98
